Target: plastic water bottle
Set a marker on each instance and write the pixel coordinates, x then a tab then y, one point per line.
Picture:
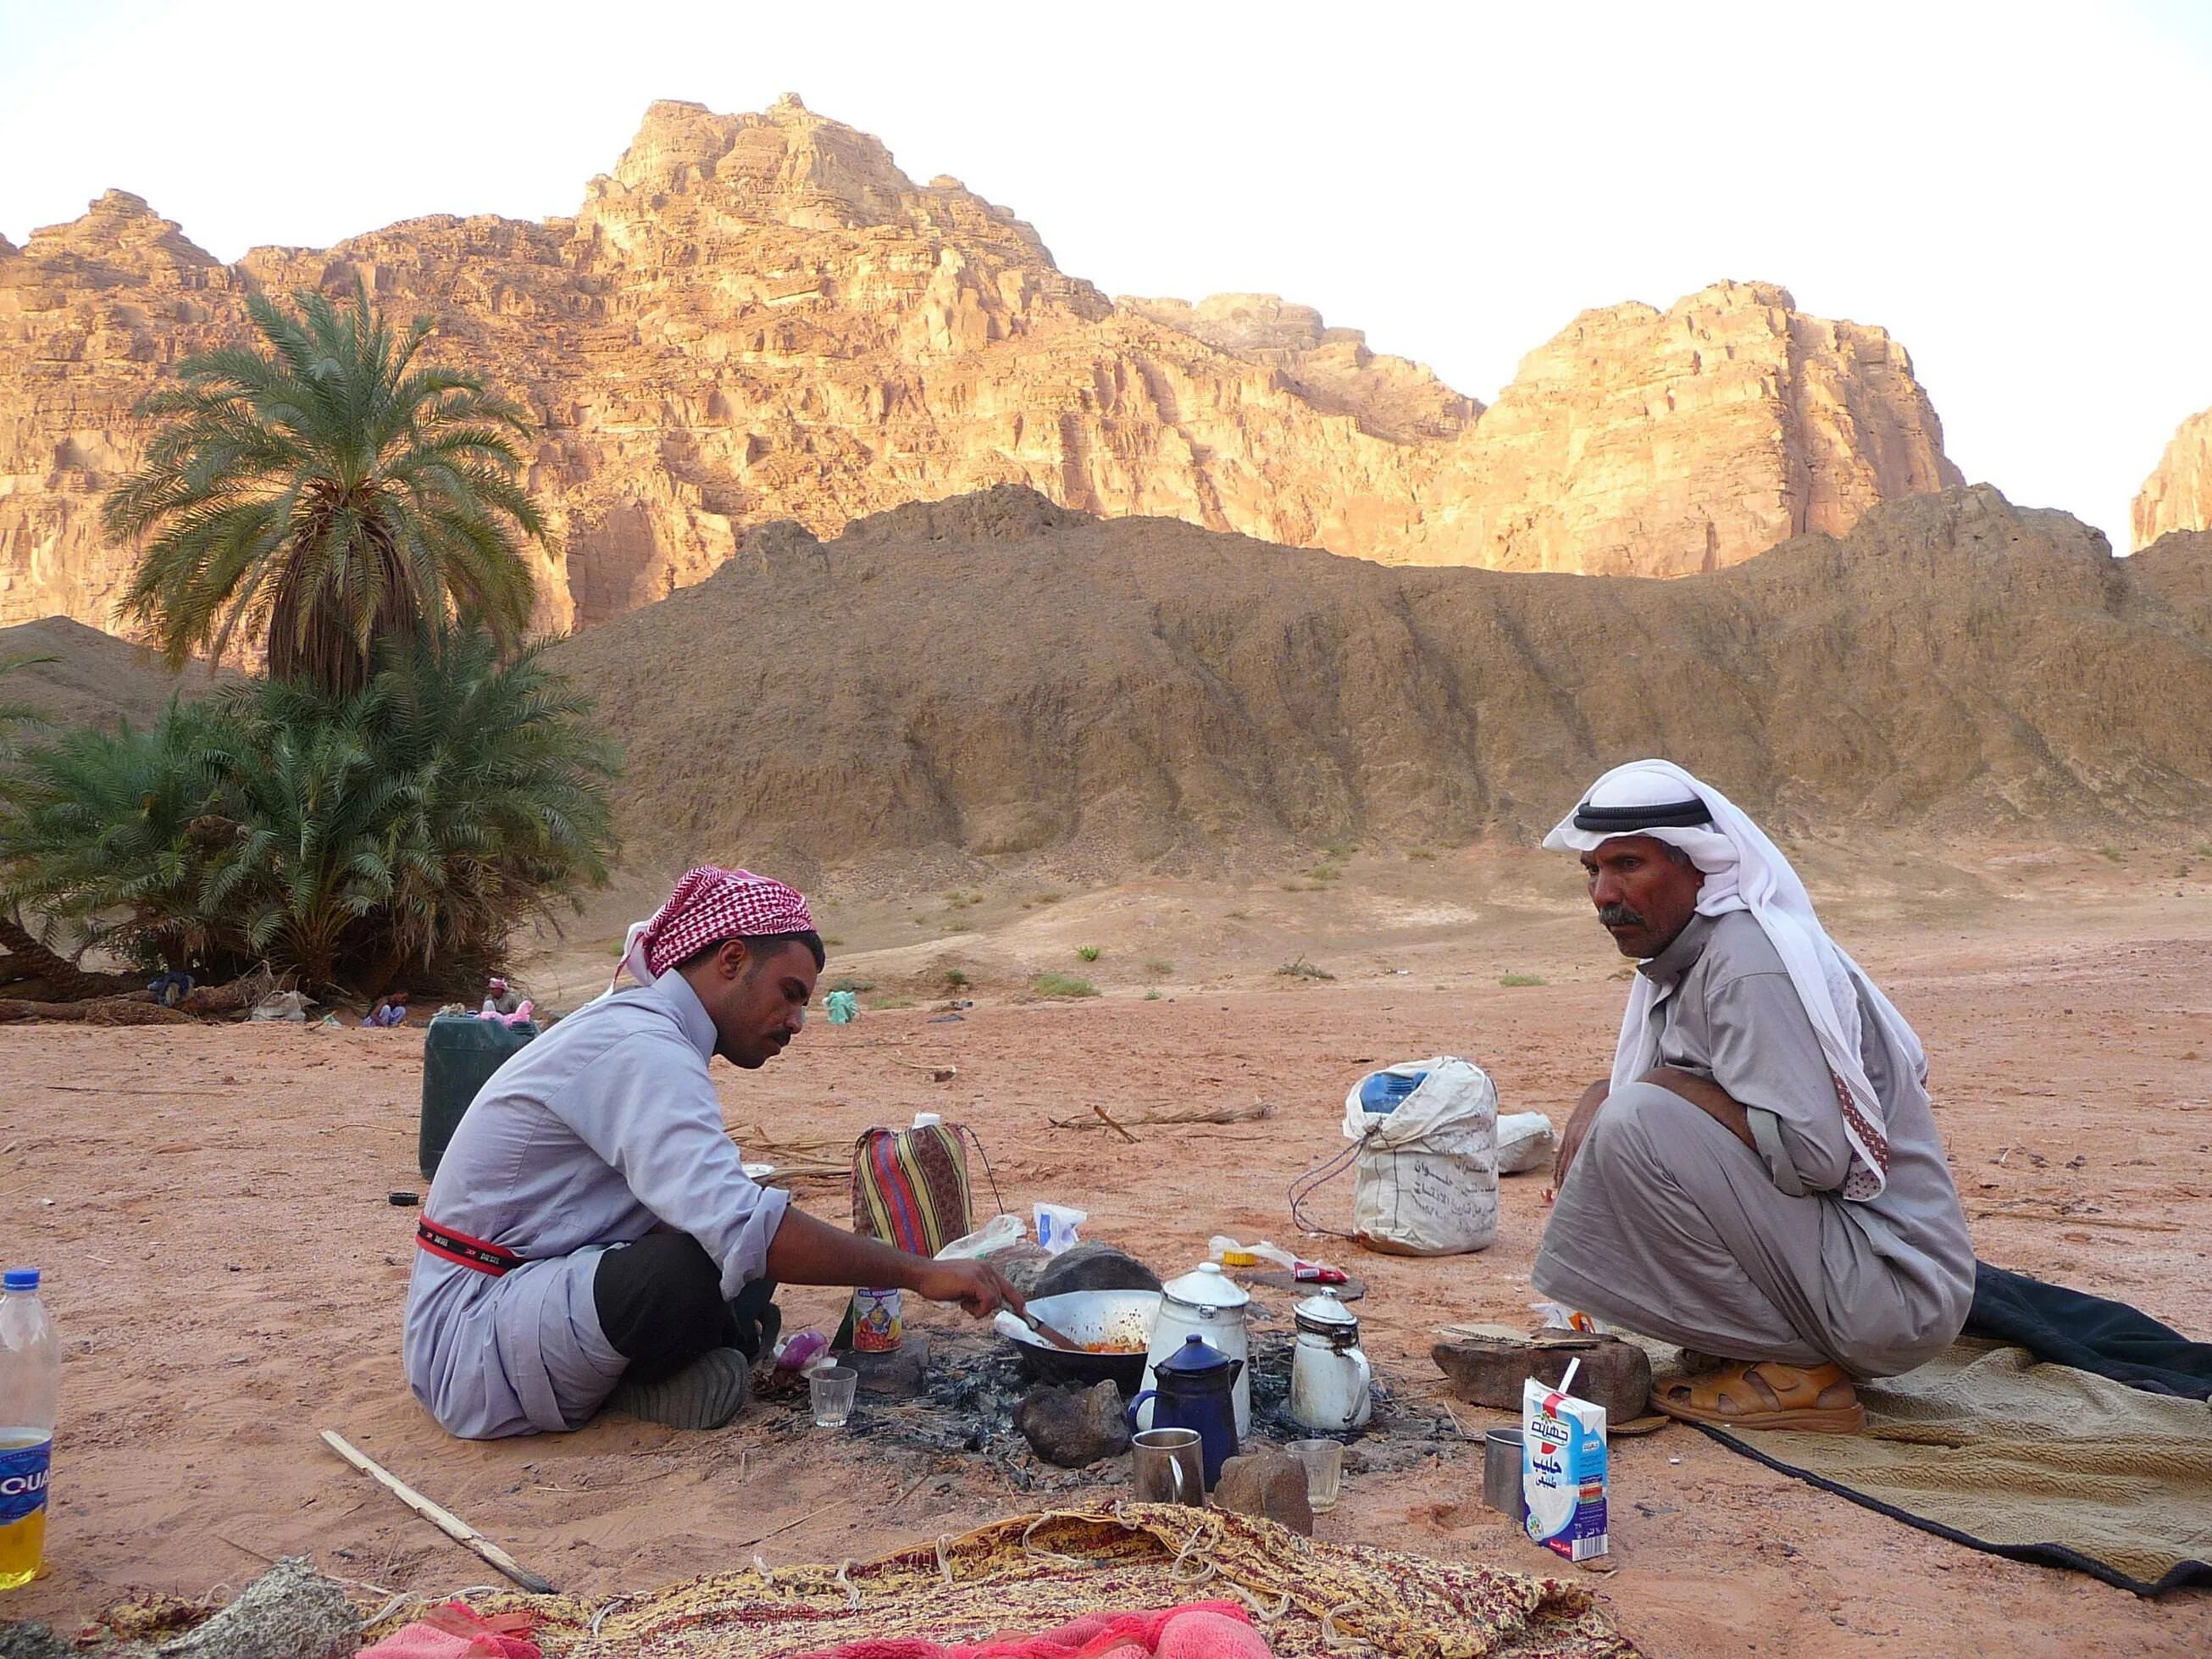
30	1390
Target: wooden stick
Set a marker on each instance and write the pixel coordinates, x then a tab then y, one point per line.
1114	1126
444	1519
777	1532
1180	1117
2058	1219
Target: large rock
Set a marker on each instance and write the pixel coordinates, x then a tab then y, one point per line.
1269	1484
1073	1427
759	317
1490	1370
2178	495
1093	1266
1639	442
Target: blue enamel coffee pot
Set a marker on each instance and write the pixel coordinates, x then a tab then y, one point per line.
1194	1391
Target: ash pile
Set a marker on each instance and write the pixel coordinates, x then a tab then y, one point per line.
978	1401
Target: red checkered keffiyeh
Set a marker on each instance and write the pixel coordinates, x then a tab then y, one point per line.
708	906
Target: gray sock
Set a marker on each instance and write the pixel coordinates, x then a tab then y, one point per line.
705	1394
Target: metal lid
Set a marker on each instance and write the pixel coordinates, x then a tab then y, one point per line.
1323	1315
1205	1286
20	1278
1195	1357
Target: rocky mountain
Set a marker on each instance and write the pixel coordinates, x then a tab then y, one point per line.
998	679
760	317
2178	495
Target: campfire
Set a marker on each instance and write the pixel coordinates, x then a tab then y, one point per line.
965	1409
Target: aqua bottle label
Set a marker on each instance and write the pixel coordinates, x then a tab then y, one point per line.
23	1480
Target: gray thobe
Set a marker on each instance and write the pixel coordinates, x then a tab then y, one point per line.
603	1128
1671	1227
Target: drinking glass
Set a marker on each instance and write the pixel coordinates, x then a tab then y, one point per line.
1324	1463
830	1392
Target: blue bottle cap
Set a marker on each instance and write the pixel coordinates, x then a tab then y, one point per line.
20	1278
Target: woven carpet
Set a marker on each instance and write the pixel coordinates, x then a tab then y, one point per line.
1033	1572
2039	1463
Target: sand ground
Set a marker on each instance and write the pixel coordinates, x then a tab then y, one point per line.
210	1205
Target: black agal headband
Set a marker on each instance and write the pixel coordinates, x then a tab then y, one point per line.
1689	814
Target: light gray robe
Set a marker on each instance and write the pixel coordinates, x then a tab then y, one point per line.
604	1127
1671	1227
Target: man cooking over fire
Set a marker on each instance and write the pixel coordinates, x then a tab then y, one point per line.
591	1241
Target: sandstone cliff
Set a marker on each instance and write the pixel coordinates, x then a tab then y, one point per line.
996	680
2178	495
759	317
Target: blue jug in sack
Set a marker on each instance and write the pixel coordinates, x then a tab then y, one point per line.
1194	1391
1386	1091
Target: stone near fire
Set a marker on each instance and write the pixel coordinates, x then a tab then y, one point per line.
902	1371
1093	1266
1073	1427
1269	1484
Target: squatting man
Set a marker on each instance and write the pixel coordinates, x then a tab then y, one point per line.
1760	1178
591	1241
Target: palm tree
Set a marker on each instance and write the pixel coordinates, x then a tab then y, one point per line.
329	492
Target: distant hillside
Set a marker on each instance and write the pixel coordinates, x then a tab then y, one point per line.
91	678
995	677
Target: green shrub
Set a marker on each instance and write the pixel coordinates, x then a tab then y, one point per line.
887	1003
956	979
1421	854
846	982
1151	996
1089	952
1301	968
1062	985
1516	980
396	834
1158	966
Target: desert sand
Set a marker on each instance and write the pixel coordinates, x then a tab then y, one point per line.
210	1207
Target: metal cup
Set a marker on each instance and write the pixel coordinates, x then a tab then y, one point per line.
1501	1474
1169	1467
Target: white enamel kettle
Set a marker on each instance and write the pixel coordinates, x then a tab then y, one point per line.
1331	1385
1205	1303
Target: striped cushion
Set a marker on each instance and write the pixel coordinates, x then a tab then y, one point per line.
910	1187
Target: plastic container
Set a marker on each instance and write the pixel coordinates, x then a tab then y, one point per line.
459	1054
30	1393
1385	1091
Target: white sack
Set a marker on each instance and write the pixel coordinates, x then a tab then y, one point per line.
1428	1172
1525	1141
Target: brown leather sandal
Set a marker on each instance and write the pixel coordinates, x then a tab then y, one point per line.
1766	1393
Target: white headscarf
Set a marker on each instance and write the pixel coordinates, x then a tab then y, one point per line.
1745	871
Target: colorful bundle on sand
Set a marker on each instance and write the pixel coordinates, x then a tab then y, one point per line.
1035	1573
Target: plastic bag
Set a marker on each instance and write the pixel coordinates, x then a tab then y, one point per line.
1230	1254
991	1237
1427	1181
1055	1227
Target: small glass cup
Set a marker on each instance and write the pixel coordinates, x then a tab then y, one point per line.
1324	1463
830	1392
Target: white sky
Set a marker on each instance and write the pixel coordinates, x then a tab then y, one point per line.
2017	192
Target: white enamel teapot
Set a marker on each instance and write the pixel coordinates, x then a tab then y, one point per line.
1331	1385
1205	1302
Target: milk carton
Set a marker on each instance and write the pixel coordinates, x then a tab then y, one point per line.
1563	1470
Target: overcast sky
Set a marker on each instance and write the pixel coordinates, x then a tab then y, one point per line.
2017	192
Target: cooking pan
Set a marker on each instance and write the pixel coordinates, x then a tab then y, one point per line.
1122	1317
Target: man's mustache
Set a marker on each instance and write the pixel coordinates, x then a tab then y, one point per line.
1619	916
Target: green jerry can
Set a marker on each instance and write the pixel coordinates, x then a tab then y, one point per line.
460	1055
